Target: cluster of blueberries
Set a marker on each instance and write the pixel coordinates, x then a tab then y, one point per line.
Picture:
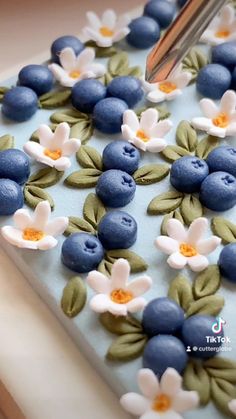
214	79
172	336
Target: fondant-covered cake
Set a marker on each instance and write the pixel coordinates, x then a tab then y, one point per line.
118	203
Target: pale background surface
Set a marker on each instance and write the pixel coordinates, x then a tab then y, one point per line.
39	364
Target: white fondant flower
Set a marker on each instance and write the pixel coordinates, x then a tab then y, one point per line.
162	399
219	121
54	149
187	246
73	69
232	406
146	134
115	294
168	89
35	232
222	28
107	30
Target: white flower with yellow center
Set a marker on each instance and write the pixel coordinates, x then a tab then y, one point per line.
219	121
107	30
35	232
232	406
116	295
222	28
54	149
146	134
168	89
186	247
75	68
162	399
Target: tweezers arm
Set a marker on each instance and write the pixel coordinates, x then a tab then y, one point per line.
180	37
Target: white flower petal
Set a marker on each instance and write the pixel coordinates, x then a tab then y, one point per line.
127	132
171	414
14	237
156	96
123	21
130	118
198	263
156	145
57	71
161	128
67	58
57	226
196	230
204	247
117	309
70	147
134	403
137	304
183	79
100	303
151	414
177	261
99	282
174	94
34	149
209	108
68	81
139	143
185	400
85	58
120	34
22	219
148	119
232	406
167	244
170	382
202	123
45	135
148	383
109	18
228	102
231	129
48	242
140	285
41	215
176	230
95	70
120	273
217	132
93	20
62	164
227	15
61	134
92	34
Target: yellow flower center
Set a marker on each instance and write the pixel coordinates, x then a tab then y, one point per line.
167	87
121	296
105	31
162	403
33	235
223	33
75	74
187	250
142	136
221	120
53	154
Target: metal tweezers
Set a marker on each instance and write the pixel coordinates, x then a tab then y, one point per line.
185	31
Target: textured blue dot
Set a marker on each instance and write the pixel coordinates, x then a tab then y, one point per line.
19	104
11	197
14	165
213	80
117	230
108	115
225	54
127	88
144	32
115	188
63	42
160	10
223	159
37	77
122	156
86	93
188	173
218	191
227	262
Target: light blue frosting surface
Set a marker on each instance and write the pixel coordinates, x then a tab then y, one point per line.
48	276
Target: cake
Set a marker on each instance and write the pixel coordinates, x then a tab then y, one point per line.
117	202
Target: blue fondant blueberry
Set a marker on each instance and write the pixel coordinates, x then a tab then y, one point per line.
161	10
213	80
19	104
108	115
233	82
117	230
162	316
63	42
144	32
227	262
11	197
188	173
122	156
14	165
164	351
218	191
197	333
222	159
127	88
225	54
86	93
82	252
37	77
181	3
115	188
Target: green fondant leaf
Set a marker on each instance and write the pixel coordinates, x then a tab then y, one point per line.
224	229
186	136
3	90
83	130
118	63
162	110
120	325
207	282
191	208
71	116
151	173
194	61
46	177
137	264
105	267
93	210
89	158
206	146
165	203
222	392
74	297
6	142
174	152
180	290
127	347
34	137
78	225
55	99
102	52
132	71
218	367
33	195
84	178
195	378
211	305
173	214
